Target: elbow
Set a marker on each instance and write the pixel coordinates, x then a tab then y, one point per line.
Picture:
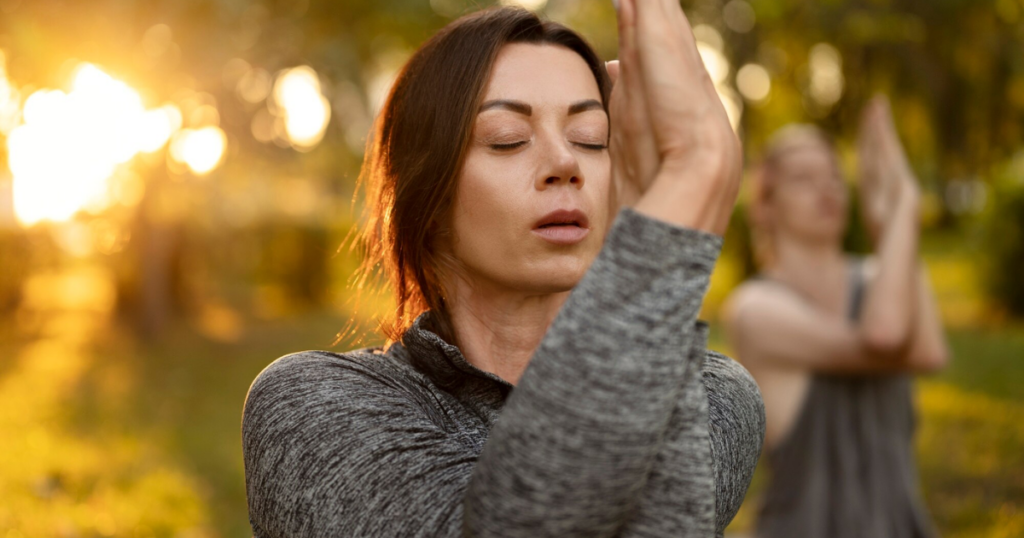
885	340
933	360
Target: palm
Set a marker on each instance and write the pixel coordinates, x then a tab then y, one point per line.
665	112
885	173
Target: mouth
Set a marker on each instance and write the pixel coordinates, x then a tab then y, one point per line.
563	217
563	227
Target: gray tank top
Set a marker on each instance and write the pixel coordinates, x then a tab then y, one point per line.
846	468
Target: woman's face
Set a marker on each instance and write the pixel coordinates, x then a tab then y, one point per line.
809	199
532	205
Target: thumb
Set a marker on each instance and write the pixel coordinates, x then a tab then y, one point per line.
613	70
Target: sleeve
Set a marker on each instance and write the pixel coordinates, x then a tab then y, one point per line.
736	422
573	448
711	449
332	448
679	498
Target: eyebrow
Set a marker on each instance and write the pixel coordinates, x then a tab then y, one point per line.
527	110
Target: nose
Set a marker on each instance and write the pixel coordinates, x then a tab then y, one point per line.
560	165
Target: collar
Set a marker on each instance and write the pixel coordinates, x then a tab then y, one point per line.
445	364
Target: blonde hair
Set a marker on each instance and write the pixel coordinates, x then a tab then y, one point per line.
765	178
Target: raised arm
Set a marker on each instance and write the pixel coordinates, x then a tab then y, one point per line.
890	304
577	437
629	324
898	329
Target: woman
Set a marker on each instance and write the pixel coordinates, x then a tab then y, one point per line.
832	339
545	373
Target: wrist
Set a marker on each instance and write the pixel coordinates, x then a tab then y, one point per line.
909	196
692	201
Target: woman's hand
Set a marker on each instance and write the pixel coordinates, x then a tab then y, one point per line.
886	179
671	143
632	146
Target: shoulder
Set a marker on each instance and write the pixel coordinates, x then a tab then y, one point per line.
309	370
301	386
754	295
732	390
736	426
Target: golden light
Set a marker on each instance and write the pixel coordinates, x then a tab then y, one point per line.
826	66
305	110
10	99
69	145
532	5
156	127
739	16
202	150
710	46
753	82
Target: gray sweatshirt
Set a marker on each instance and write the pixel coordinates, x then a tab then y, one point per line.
623	424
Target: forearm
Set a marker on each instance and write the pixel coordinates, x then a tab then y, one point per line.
928	348
689	195
679	497
577	437
888	316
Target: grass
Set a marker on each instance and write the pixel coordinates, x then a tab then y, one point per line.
105	435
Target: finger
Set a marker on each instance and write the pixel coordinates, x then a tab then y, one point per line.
679	91
627	24
613	70
664	30
643	146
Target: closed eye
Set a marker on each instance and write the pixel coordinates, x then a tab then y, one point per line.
514	145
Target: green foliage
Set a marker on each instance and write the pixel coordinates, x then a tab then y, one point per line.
1004	240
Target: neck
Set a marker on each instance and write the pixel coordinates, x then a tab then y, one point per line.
497	329
802	262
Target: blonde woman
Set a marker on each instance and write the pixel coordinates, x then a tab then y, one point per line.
833	339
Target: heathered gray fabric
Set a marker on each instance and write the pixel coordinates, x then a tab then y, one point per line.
846	469
622	424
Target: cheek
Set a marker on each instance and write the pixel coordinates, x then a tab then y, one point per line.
486	214
598	190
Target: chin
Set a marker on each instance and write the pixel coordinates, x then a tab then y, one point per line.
555	277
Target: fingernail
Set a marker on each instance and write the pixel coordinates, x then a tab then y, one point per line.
616	4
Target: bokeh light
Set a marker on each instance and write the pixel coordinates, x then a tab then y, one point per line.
739	16
826	72
710	46
753	82
70	144
532	5
304	109
200	149
9	99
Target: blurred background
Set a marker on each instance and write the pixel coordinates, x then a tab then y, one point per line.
176	178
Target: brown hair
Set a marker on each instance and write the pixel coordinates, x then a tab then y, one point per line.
765	179
418	146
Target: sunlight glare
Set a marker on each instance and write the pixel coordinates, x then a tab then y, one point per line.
69	144
306	111
10	99
200	149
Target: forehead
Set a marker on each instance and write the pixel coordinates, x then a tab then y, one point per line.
808	155
541	74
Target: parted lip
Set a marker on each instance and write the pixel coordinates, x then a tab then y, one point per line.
563	216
